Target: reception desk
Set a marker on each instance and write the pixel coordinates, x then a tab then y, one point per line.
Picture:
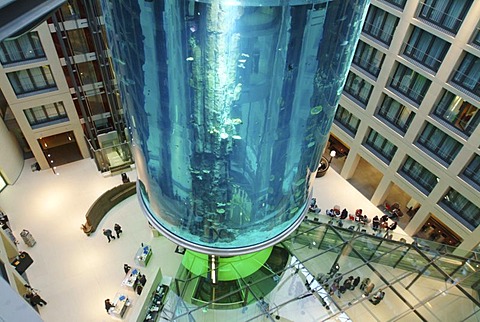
121	303
131	278
143	255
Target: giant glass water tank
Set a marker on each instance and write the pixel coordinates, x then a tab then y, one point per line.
229	104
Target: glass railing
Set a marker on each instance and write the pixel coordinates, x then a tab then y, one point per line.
406	88
113	158
442	18
419	277
399	250
423	57
371	67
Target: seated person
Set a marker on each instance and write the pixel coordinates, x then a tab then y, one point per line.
393	226
358	218
377	297
395	214
314	209
375	222
344	213
358	212
384	218
384	224
364	219
330	213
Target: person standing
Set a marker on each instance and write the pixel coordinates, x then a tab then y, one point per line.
108	305
368	289
126	268
35	299
364	283
118	230
355	282
348	283
142	279
108	233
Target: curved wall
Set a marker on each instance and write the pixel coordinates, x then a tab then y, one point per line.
230	104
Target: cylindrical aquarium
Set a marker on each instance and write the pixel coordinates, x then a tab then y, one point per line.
229	104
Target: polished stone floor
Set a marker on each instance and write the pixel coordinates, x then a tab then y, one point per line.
75	273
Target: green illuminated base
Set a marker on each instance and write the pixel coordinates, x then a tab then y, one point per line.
229	268
230	282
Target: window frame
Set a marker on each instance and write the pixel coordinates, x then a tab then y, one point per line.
365	58
449	206
32	75
446	104
370	23
383	113
404	75
380	151
459	77
441	140
407	171
471	173
411	51
344	121
356	93
430	10
32	115
36	47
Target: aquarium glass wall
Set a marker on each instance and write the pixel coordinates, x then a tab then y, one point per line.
229	104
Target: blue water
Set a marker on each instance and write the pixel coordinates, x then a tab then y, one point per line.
229	105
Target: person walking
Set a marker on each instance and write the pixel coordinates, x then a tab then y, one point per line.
126	268
108	233
118	230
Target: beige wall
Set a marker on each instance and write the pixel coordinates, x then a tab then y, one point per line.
18	105
11	157
448	176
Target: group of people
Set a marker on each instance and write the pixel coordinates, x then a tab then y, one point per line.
108	232
5	225
33	297
377	222
140	281
382	222
367	287
332	281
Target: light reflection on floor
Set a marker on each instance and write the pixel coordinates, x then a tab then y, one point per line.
76	273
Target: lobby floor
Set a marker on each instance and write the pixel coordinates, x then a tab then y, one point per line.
75	273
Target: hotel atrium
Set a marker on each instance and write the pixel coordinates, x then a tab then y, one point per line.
404	142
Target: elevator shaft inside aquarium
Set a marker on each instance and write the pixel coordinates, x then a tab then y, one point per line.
229	105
